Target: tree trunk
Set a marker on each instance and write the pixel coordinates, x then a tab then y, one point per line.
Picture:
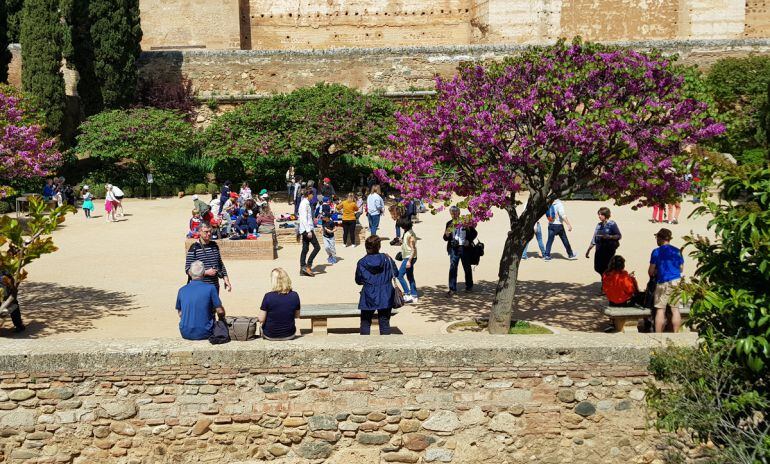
520	232
502	307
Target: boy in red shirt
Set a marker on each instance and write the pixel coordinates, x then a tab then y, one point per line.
621	287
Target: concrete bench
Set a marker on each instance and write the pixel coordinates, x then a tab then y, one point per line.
263	248
320	313
626	318
288	235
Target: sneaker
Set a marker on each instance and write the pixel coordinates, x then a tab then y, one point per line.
525	257
546	258
572	257
468	289
451	293
355	246
408	298
306	271
674	222
415	299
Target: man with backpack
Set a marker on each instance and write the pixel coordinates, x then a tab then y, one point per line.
557	218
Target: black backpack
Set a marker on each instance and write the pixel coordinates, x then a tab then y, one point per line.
220	334
475	252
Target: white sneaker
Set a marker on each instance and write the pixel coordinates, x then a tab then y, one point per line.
415	299
407	299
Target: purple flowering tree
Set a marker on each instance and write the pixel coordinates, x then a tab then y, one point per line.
541	126
25	153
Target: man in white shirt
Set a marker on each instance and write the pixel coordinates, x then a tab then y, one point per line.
557	218
306	229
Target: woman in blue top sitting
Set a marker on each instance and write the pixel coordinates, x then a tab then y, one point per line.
279	308
375	272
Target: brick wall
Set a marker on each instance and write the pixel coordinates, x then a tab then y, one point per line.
347	400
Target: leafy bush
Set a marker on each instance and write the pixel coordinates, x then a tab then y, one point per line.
158	92
189	190
133	143
739	87
321	129
98	190
201	189
721	392
5	207
212	188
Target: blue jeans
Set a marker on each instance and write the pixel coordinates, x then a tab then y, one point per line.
374	223
411	287
553	231
456	256
383	316
539	237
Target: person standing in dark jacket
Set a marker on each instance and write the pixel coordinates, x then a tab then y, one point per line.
224	194
375	272
459	239
606	239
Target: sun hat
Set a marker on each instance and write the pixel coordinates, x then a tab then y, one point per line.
263	192
195	197
326	179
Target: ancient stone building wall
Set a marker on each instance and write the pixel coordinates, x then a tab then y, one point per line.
221	73
459	399
182	24
325	24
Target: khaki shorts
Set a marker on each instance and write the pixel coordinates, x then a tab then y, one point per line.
663	293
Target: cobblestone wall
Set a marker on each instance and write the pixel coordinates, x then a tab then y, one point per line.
345	400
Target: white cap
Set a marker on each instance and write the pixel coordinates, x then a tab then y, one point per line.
85	187
195	197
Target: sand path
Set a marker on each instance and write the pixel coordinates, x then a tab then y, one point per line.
119	280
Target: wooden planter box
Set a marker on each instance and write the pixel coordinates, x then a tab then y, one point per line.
289	236
263	248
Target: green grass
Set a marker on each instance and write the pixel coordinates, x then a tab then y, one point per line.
518	328
525	328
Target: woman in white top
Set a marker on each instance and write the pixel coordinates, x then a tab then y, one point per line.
110	203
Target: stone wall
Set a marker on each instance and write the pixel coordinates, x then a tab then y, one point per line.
344	399
325	24
389	69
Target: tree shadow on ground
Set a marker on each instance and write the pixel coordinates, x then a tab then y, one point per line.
49	308
575	307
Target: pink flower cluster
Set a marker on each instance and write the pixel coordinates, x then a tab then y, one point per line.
552	121
25	153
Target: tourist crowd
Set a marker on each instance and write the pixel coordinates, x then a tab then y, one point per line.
318	211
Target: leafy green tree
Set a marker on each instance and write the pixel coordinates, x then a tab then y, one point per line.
104	37
739	87
720	392
328	126
42	36
14	8
154	141
22	243
5	55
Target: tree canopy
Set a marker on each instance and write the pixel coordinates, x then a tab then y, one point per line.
549	122
326	126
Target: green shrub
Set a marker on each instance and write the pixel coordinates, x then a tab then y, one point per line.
324	130
189	190
98	190
201	189
128	192
212	188
5	207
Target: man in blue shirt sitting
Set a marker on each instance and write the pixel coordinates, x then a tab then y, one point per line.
666	266
196	303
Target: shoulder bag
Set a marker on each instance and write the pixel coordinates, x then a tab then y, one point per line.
398	295
241	328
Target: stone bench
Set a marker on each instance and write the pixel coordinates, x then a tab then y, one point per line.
263	248
626	318
320	313
288	236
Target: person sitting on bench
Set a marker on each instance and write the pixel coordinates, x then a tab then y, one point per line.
621	287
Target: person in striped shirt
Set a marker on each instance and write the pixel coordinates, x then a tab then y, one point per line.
207	251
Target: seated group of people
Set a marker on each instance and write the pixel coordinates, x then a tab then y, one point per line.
240	217
198	304
665	272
